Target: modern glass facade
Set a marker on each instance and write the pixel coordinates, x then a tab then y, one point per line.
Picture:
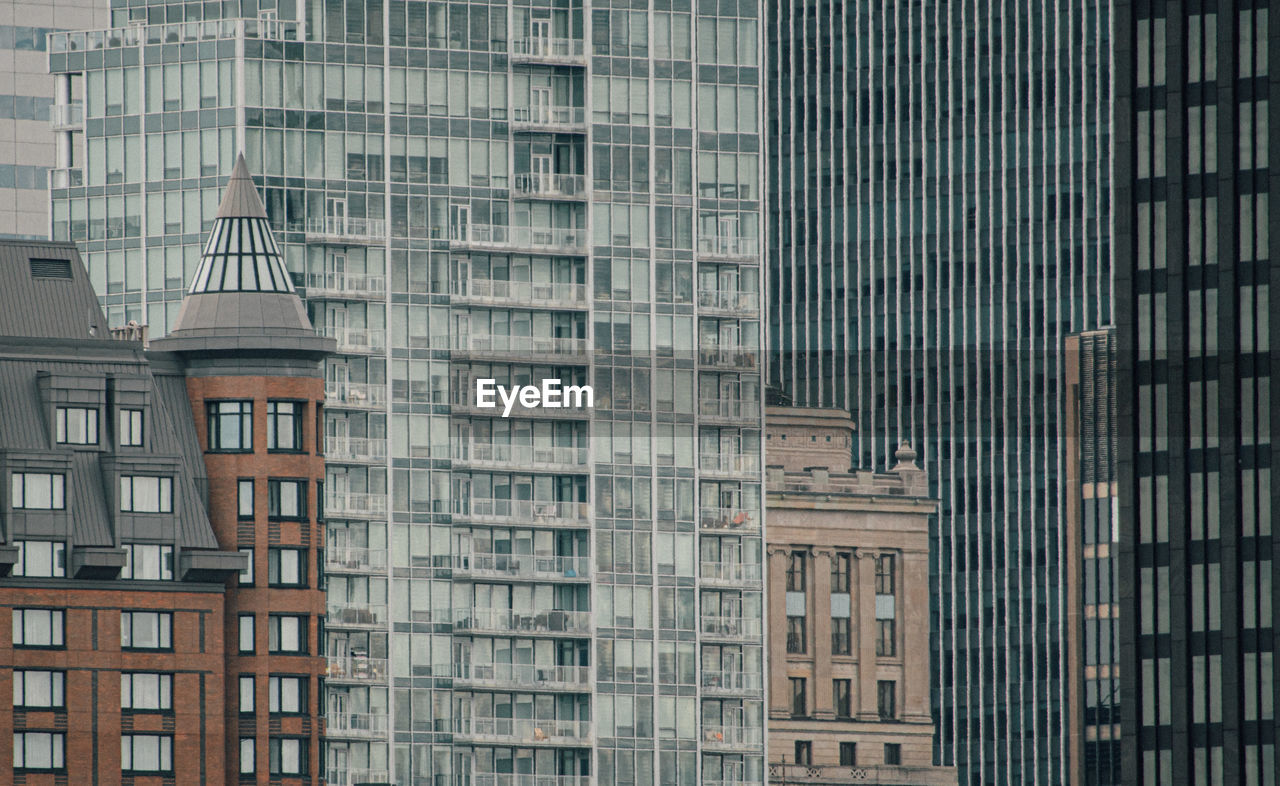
1197	346
938	203
509	191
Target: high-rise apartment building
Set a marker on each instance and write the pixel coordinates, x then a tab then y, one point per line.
467	191
1197	343
938	196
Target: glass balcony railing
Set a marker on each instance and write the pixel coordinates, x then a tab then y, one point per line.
356	668
551	240
354	559
730	627
357	725
739	358
355	450
545	49
524	779
538	185
732	736
508	621
540	513
730	463
355	341
521	566
731	681
355	615
522	292
345	286
727	518
523	675
729	246
729	300
347	776
355	395
549	118
66	177
67	117
526	456
524	730
521	345
729	408
354	504
733	572
342	230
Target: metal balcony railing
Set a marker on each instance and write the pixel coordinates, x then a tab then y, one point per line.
522	566
550	240
508	621
344	776
355	341
523	345
523	292
360	725
729	300
731	572
525	730
731	627
730	463
732	681
354	504
540	49
729	408
342	230
526	456
67	117
356	668
725	356
552	118
525	779
526	511
355	615
355	395
728	246
732	736
727	518
345	286
355	559
363	450
523	675
537	185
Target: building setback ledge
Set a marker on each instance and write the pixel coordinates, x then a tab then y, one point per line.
8	558
216	566
88	562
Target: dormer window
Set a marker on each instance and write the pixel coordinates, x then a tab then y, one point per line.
130	432
41	558
149	561
146	494
38	491
76	426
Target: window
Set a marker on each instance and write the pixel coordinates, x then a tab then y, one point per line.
842	697
130	428
287	567
41	558
795	635
804	752
849	754
143	753
287	499
146	630
38	491
38	689
284	425
246	633
248	698
231	425
287	634
886	697
841	571
288	756
37	628
841	636
795	572
886	643
146	691
884	574
287	695
146	494
37	750
76	426
892	753
247	752
244	498
246	575
148	561
799	705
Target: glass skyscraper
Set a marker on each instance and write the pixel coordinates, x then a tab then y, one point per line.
938	196
511	191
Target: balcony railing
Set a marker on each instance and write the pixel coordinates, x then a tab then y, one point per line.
508	621
728	246
355	395
729	408
522	292
356	668
354	559
66	177
354	504
176	32
732	681
67	117
524	779
525	511
355	341
342	230
526	456
728	518
355	777
729	300
731	572
540	49
732	736
551	118
730	463
724	356
345	286
355	724
538	185
363	450
522	566
520	345
550	240
525	730
731	627
355	615
525	676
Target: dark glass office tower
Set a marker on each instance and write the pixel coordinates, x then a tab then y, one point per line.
938	223
1197	343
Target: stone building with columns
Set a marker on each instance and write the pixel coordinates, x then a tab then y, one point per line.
848	608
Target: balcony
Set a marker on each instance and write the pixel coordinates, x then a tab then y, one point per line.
571	350
355	341
354	505
361	777
538	513
67	117
545	50
526	779
733	628
731	682
355	395
736	464
345	286
485	291
355	725
735	573
719	737
522	731
551	622
66	177
356	615
545	458
570	241
734	519
175	32
355	450
735	409
729	301
537	185
521	566
736	358
730	247
522	676
342	230
355	559
549	119
356	669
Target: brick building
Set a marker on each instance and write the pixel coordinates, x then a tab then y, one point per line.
848	609
160	523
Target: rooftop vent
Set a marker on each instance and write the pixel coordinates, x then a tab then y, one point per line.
50	268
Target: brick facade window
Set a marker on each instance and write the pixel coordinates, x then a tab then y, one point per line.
146	691
38	751
146	753
287	634
286	499
284	426
38	628
287	567
230	425
289	756
146	630
42	689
